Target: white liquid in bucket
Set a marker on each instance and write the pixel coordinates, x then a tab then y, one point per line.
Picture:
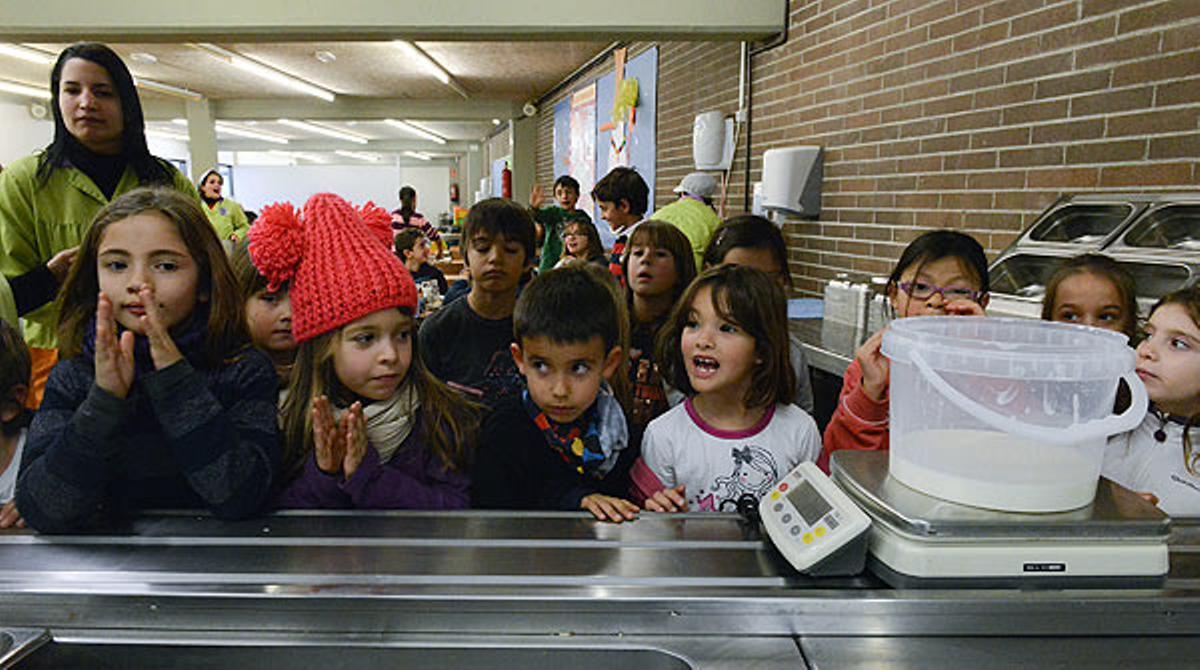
995	470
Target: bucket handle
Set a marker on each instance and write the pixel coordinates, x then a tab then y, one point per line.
1083	432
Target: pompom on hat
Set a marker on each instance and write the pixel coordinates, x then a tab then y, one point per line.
337	258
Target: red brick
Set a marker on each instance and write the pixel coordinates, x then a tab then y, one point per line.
1008	52
1078	34
1112	102
1031	157
1106	152
1127	48
1043	20
1151	123
922	128
992	181
1034	112
906	183
942	182
1005	96
966	200
1072	131
972	121
917	200
1002	11
957	103
1071	84
1177	146
1068	178
976	79
955	25
1181	38
978	38
1157	69
1094	7
1161	14
1036	68
1000	138
919	164
957	142
901	148
1178	92
979	160
1158	174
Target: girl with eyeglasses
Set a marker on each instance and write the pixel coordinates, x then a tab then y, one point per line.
940	273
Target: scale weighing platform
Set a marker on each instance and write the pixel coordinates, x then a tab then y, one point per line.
916	540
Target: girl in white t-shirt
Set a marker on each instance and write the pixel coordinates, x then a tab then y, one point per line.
1158	458
725	345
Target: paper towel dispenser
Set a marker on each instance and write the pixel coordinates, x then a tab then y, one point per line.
712	141
791	180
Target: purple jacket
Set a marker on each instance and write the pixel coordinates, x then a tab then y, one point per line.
414	479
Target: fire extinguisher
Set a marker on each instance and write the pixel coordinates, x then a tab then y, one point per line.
506	183
454	193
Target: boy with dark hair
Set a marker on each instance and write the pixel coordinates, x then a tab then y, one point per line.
15	369
551	220
466	343
622	196
564	443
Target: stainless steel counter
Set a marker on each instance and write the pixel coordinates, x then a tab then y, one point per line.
828	345
482	589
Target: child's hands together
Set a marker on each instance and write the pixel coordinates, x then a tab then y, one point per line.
339	446
609	508
10	517
114	358
668	500
163	351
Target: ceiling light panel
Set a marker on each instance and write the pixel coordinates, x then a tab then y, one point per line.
414	129
267	72
324	130
24	89
430	65
26	54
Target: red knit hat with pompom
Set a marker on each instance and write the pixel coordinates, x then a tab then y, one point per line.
338	259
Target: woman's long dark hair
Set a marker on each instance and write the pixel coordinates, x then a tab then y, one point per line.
149	170
408	203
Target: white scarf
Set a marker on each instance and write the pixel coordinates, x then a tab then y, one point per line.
390	421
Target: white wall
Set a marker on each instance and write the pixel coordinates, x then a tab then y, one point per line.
20	133
258	185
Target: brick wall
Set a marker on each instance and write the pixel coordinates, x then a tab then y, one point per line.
970	114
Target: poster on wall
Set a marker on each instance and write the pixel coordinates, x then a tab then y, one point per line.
625	116
575	142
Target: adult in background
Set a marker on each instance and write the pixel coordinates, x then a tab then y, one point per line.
48	199
408	217
227	216
693	213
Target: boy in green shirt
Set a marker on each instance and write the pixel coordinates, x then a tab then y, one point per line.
551	220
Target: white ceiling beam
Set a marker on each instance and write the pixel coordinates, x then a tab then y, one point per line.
286	20
319	144
343	108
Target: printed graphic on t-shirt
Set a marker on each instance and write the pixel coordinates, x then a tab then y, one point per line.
501	378
752	470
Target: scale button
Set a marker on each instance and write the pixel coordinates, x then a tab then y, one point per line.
832	521
787	518
808	538
795	530
778	507
774	495
783	486
820	531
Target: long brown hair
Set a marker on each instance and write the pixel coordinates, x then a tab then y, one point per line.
594	248
752	301
1189	300
226	328
449	421
1105	268
662	235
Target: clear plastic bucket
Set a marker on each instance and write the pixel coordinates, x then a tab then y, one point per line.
1007	414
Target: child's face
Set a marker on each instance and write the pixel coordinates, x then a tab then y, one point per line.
575	240
269	318
211	188
617	214
718	355
566	197
651	271
496	263
564	378
420	252
371	355
758	258
146	249
947	273
1168	360
1090	300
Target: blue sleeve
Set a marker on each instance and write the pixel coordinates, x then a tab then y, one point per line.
229	452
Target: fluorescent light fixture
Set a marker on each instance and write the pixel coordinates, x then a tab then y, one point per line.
495	122
418	155
360	155
26	54
433	67
166	135
24	89
267	72
159	87
413	128
250	134
323	130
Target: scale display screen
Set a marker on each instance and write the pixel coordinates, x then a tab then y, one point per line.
808	502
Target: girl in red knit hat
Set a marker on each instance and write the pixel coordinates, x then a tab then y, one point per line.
366	426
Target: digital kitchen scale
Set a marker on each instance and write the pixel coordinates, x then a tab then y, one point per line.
916	540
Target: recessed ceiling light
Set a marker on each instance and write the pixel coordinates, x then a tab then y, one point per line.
144	57
325	56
